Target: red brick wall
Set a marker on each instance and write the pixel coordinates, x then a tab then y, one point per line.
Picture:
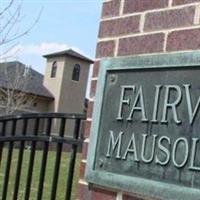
135	27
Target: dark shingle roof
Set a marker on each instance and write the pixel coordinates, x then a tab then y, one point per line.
13	71
69	52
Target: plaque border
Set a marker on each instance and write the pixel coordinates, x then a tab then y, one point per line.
113	181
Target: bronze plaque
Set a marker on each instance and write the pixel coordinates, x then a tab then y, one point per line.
150	125
146	126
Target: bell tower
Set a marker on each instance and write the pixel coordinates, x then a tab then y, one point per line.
66	78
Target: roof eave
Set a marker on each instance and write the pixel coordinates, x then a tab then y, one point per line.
65	54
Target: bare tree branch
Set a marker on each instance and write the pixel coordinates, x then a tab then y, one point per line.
11	24
7	7
11	17
13	94
7	54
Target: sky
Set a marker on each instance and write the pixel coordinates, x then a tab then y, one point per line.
62	24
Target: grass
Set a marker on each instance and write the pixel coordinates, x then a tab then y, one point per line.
35	179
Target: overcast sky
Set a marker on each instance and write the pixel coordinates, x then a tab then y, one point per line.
63	24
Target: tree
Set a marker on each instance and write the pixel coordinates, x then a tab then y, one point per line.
11	31
14	87
15	79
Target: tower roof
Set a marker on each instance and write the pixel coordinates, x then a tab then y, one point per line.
69	52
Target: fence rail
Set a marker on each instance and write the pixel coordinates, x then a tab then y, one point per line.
37	129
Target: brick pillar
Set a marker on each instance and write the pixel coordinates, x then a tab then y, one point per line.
139	27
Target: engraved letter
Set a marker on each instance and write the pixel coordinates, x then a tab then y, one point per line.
164	150
122	100
114	144
155	109
172	105
191	113
139	97
131	148
193	154
180	140
152	149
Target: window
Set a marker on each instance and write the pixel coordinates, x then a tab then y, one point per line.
53	69
76	72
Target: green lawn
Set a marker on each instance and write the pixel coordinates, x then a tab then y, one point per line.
48	178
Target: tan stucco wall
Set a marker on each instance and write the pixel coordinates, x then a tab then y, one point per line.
69	95
42	105
73	92
54	84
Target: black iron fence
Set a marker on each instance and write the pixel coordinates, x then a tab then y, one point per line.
37	132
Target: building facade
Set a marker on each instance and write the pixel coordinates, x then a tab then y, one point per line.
138	27
61	89
66	78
